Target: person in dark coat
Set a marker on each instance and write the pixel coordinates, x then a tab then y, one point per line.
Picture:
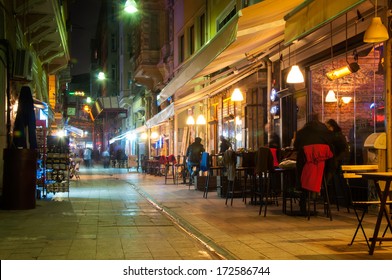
224	145
340	149
193	155
313	132
339	142
24	134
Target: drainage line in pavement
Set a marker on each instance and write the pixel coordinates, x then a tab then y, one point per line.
187	227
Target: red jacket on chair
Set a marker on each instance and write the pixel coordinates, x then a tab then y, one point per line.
312	173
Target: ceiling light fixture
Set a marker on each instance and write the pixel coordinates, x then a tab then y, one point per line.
190	120
201	119
331	97
295	75
237	95
376	32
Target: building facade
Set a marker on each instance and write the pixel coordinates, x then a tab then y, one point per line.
34	52
203	50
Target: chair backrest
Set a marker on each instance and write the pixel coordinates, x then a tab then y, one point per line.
274	152
264	161
205	161
248	159
171	159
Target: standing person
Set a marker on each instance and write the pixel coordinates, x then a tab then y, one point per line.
339	142
224	145
193	154
106	158
340	148
87	157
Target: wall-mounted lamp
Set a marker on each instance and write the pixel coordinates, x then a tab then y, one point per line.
130	6
237	95
376	32
331	97
344	100
343	71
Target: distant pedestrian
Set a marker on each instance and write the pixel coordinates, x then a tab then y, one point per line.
87	157
193	154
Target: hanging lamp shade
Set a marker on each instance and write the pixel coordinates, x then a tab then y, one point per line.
295	75
376	32
237	95
190	120
331	97
201	120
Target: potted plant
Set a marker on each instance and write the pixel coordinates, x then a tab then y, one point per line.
20	157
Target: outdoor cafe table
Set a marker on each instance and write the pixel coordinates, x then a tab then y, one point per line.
383	210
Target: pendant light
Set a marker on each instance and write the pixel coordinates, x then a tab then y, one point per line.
376	32
331	97
190	120
237	95
200	118
295	75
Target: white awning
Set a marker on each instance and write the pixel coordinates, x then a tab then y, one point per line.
73	129
162	116
251	32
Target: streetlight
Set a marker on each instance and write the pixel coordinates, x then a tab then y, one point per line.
101	76
130	6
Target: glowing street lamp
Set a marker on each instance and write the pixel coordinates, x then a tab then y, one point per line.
130	6
101	76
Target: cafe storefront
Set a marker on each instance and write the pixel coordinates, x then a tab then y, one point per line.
355	99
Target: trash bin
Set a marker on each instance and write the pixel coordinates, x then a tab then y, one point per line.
19	179
375	150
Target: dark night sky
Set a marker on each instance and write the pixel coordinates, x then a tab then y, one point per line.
84	18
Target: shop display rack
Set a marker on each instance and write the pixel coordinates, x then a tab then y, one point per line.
57	165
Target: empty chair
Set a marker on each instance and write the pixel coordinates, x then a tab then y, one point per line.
230	161
264	167
169	168
358	191
180	169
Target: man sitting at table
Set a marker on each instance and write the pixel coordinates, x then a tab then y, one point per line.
193	154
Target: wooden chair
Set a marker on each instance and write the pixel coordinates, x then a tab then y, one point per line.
169	168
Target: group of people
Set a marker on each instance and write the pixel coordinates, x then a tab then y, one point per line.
194	154
329	135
